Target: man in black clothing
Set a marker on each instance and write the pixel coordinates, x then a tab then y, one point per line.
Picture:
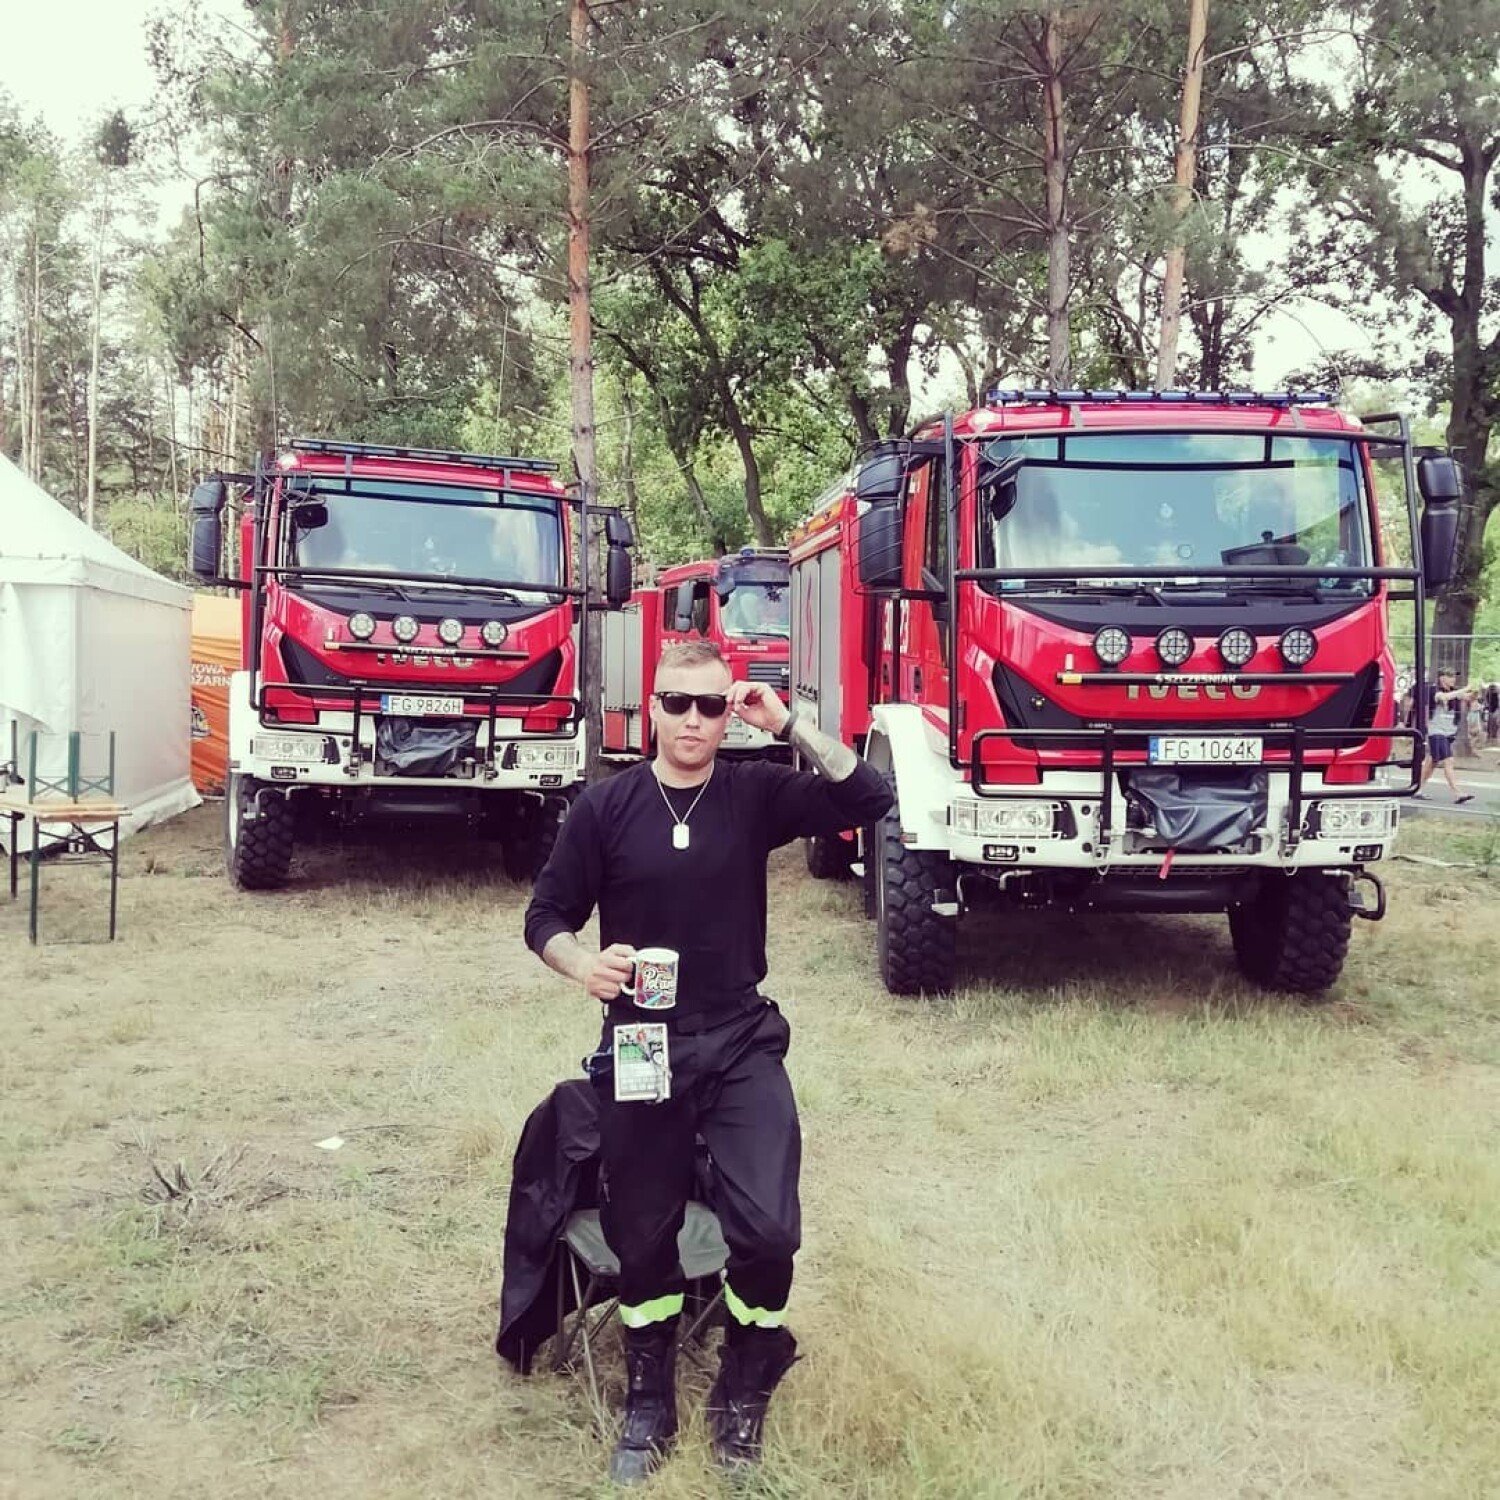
673	853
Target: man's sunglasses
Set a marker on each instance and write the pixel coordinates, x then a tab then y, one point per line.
710	705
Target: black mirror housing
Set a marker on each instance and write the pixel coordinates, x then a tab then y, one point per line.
881	477
1439	543
617	578
1439	478
618	531
1441	482
206	542
310	517
880	547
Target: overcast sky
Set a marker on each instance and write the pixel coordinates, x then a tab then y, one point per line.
70	60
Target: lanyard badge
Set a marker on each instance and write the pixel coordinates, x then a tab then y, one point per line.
643	1071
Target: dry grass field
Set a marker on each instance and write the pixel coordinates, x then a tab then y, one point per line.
1109	1223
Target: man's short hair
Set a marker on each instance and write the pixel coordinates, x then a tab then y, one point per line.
1442	671
691	654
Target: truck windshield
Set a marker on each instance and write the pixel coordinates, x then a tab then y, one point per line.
429	531
1175	500
756	608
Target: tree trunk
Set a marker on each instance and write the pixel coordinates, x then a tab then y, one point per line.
35	469
581	363
91	494
1055	170
1182	188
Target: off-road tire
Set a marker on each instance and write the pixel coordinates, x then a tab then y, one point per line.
1294	935
528	842
257	851
827	857
918	948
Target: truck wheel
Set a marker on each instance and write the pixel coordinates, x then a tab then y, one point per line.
1294	935
827	857
918	948
532	835
258	850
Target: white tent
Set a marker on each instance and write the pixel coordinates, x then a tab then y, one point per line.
91	640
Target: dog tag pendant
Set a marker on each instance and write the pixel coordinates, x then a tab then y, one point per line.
679	835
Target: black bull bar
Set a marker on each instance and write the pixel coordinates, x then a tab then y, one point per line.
1109	739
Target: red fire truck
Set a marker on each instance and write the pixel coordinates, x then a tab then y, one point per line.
740	602
1125	651
410	644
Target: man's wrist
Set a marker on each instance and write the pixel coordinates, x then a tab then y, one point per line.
783	731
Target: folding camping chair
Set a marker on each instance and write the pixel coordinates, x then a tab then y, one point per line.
587	1266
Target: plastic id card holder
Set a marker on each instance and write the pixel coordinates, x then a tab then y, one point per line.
643	1070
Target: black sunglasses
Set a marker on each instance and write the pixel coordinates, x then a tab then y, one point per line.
710	705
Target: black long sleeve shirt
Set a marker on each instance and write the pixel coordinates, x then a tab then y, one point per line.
707	901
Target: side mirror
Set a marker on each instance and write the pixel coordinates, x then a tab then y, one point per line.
880	547
1441	483
682	608
617	576
724	585
310	517
206	546
1439	478
881	478
618	531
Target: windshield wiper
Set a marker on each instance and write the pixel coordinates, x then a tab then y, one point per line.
354	585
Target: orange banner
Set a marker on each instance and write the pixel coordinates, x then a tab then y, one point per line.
216	653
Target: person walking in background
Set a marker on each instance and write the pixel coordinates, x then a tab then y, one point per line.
673	853
1492	713
1445	702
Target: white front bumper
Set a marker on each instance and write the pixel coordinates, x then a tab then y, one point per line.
320	755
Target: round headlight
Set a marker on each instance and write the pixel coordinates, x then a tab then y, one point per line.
1236	646
1298	647
361	625
404	628
493	632
450	631
1174	645
1111	645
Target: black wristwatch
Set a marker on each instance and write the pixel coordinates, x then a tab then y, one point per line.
784	734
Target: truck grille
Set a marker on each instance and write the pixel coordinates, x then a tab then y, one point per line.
777	673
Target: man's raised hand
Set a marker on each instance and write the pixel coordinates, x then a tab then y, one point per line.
758	705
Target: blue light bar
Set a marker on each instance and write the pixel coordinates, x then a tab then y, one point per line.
1003	397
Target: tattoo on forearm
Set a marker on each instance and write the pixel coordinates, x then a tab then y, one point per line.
832	757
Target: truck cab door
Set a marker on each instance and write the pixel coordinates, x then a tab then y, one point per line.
924	662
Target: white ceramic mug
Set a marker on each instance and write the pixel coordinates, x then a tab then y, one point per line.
653	979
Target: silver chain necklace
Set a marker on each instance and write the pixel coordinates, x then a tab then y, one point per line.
680	834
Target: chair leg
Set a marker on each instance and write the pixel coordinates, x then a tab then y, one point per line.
596	1400
694	1333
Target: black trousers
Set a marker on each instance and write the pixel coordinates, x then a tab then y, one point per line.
729	1086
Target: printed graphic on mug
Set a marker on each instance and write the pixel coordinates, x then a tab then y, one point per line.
653	986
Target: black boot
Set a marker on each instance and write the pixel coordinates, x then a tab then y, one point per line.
751	1365
650	1402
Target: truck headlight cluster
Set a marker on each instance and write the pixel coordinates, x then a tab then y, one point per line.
404	628
493	632
304	748
1174	645
546	757
1027	819
1111	645
1298	646
1355	818
1236	646
450	631
362	625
